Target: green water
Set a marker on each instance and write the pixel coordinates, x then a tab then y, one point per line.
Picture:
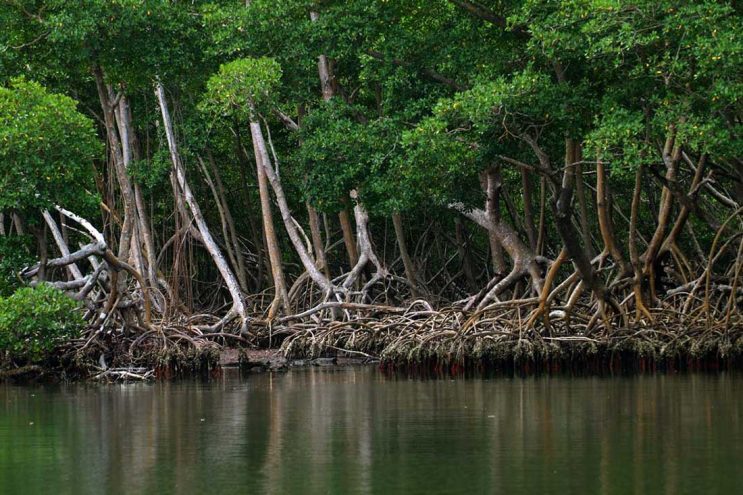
356	431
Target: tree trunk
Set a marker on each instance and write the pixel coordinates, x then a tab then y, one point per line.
602	211
229	278
671	156
410	272
683	216
528	212
281	297
348	240
580	191
634	255
131	152
524	259
292	229
64	249
107	98
492	208
317	244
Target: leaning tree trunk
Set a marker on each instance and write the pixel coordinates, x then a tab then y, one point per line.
407	262
292	229
64	249
233	287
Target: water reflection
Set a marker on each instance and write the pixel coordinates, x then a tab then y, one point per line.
356	431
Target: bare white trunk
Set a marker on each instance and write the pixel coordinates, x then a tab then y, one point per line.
64	250
211	246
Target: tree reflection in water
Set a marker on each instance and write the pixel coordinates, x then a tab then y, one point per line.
356	431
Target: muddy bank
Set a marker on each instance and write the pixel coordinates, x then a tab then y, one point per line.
259	360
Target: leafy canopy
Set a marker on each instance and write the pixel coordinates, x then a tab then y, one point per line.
243	87
46	149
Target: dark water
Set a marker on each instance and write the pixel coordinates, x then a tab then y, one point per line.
356	431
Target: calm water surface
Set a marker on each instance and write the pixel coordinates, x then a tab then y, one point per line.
357	431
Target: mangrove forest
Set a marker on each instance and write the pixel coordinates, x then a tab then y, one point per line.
443	184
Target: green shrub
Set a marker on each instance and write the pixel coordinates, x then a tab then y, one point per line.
15	254
35	320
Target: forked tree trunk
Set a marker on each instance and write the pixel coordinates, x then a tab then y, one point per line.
671	156
524	259
292	229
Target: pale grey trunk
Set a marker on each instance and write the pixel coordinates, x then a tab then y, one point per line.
64	249
211	246
292	230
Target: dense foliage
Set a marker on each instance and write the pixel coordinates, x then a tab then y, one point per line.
34	321
46	149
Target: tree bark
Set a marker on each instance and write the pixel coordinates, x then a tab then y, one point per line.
261	154
607	235
233	287
492	207
671	155
64	250
410	272
531	233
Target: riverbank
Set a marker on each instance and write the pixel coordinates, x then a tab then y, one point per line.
408	350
